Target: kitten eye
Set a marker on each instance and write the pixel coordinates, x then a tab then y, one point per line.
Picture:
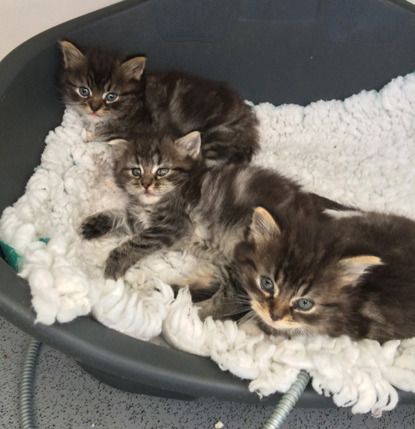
84	92
110	97
303	304
267	284
136	172
162	172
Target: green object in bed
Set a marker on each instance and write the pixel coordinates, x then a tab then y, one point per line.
12	257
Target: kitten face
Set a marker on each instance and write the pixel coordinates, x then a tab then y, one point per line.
292	306
151	167
99	85
296	284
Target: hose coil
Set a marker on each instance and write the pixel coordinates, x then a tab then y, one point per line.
287	402
26	386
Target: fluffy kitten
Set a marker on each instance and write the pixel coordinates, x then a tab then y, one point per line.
354	275
176	202
116	99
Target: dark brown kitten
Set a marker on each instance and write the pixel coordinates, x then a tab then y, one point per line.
176	202
152	170
354	275
117	99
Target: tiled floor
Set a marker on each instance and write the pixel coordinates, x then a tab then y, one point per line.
68	397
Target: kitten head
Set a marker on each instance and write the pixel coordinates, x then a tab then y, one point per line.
99	85
297	280
149	166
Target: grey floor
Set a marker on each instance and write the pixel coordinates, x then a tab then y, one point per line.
68	397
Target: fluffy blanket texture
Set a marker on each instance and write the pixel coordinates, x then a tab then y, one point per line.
358	151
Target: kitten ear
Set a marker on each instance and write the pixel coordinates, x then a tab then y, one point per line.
353	268
263	225
190	144
72	56
134	68
119	146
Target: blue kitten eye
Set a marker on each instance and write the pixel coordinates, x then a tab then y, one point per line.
136	172
84	92
267	284
304	304
110	97
162	172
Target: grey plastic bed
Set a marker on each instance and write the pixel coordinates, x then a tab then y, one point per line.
279	51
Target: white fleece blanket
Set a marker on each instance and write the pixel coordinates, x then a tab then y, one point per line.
358	151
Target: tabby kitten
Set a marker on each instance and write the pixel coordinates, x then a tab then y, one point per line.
354	275
177	202
116	99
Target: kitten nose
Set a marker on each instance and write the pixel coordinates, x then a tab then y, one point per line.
146	183
95	106
275	317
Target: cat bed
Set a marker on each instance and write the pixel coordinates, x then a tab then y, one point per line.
335	148
358	151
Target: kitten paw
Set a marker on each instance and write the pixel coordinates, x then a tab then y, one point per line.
89	136
96	226
116	265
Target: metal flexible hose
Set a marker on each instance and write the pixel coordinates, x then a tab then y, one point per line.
287	402
275	421
26	386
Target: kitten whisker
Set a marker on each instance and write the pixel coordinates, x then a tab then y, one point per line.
251	315
236	312
240	300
